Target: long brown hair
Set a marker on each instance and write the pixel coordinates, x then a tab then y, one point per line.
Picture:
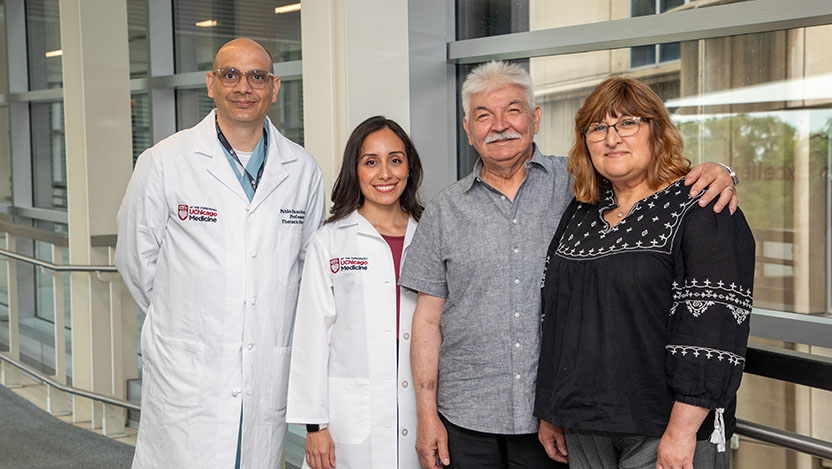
346	193
619	96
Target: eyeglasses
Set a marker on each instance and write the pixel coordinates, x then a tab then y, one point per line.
626	127
230	76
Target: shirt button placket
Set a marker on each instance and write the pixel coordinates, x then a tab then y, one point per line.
515	294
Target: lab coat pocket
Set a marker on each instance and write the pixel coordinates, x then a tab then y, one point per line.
176	371
280	379
349	410
288	244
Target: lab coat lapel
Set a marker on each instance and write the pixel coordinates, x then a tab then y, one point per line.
206	143
364	227
280	153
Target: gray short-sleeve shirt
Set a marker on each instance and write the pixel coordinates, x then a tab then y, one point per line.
484	254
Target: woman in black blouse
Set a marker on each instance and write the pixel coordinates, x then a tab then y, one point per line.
645	299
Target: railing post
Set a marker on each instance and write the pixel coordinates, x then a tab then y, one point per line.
101	338
115	418
10	376
58	402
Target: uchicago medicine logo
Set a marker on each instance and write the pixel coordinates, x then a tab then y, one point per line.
197	213
347	263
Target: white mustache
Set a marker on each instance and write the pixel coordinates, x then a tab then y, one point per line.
507	135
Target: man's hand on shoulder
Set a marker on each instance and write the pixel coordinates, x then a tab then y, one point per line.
719	183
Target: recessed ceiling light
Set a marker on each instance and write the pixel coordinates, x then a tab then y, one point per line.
287	8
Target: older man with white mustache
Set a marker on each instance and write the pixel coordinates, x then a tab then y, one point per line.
476	260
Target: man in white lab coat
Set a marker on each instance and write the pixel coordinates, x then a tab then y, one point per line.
211	240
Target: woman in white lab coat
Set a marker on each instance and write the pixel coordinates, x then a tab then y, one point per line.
350	379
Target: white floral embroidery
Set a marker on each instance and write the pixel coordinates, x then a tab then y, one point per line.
739	313
658	228
699	296
707	353
698	307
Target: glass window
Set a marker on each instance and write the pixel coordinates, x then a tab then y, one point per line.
643	7
5	150
649	55
5	159
191	107
479	18
48	155
767	115
43	35
200	28
287	112
4	298
137	37
140	120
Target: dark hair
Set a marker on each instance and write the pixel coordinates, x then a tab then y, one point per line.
346	193
619	96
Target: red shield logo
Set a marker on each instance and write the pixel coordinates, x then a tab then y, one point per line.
183	212
334	265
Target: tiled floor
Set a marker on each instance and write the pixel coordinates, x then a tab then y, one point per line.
35	393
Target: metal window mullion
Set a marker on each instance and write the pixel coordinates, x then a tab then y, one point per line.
698	23
799	328
18	61
161	100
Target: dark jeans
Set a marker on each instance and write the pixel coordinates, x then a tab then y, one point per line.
470	449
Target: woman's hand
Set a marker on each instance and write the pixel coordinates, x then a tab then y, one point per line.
320	450
551	437
678	443
676	450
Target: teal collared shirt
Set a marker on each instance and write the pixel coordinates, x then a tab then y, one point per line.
258	158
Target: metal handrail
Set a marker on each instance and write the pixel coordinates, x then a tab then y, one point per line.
70	389
57	267
775	436
785	439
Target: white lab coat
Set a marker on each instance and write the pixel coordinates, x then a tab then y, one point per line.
344	369
218	278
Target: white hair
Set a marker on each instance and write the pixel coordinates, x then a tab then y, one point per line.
495	75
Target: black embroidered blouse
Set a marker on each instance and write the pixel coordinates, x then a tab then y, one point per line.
650	311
